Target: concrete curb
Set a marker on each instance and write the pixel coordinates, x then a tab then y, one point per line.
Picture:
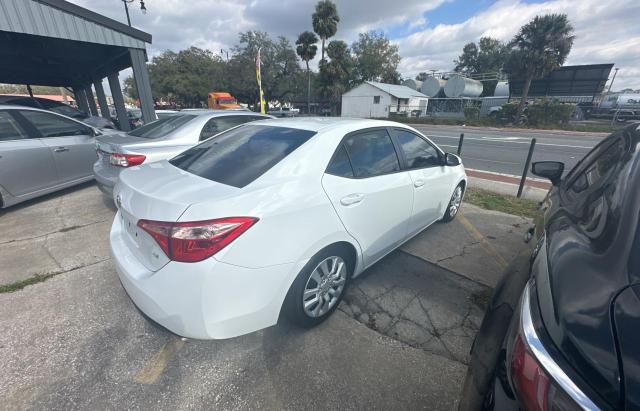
535	189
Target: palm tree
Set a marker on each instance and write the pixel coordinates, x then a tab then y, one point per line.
541	46
325	21
306	49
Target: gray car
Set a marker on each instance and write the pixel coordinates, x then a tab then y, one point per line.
41	152
161	140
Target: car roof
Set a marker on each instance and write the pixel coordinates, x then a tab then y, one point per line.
220	113
324	123
19	107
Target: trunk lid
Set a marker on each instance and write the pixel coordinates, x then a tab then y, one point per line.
116	142
159	192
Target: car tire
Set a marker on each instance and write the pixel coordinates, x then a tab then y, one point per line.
454	204
328	273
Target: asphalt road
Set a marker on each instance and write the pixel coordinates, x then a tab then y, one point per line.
505	151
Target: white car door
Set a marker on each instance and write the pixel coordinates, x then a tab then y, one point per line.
369	191
432	180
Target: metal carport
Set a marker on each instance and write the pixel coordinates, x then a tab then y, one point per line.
56	43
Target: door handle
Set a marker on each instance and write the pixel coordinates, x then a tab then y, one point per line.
60	149
351	199
418	183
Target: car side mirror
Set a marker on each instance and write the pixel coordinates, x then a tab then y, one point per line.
551	170
95	132
451	160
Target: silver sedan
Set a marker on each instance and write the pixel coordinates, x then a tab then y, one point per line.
160	140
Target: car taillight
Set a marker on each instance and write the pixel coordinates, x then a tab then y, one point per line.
126	160
538	381
196	241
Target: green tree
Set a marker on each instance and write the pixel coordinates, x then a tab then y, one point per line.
280	72
488	56
541	46
325	21
422	76
336	74
376	58
185	77
307	49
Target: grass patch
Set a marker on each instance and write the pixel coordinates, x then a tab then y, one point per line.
500	202
19	285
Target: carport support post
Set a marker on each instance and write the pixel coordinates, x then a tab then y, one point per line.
102	100
526	166
141	77
91	100
118	102
81	99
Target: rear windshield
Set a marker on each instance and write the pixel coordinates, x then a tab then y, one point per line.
162	127
239	156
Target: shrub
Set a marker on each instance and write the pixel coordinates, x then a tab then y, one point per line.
471	113
540	112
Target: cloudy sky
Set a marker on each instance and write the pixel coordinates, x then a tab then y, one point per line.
430	33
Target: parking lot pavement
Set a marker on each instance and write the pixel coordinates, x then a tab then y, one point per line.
399	340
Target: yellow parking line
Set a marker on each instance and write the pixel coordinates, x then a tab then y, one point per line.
156	365
484	243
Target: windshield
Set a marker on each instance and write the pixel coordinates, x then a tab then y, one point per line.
239	156
162	127
226	101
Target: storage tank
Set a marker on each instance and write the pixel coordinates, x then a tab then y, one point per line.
412	84
432	86
458	86
502	89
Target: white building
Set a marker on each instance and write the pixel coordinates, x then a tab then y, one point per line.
376	100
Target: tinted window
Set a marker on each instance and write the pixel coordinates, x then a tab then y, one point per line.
417	151
605	160
340	165
219	124
51	125
239	156
162	127
9	128
61	108
372	153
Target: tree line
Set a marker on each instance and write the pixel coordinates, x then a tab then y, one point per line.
187	76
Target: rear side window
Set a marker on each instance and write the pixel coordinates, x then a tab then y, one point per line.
219	124
51	125
340	165
239	156
162	127
417	151
9	128
372	153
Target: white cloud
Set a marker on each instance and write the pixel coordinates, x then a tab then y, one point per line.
606	30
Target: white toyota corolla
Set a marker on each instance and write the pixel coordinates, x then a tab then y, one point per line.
273	217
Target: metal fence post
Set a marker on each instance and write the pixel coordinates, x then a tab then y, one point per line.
526	167
460	143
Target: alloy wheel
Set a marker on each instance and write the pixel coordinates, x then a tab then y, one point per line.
456	200
324	286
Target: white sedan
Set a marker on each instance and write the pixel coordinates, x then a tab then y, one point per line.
274	216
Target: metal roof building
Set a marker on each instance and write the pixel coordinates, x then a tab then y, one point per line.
56	43
378	100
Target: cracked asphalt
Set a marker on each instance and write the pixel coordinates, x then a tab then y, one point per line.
399	340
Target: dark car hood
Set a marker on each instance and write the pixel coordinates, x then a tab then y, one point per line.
588	266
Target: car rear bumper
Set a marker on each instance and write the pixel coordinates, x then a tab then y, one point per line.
106	177
204	300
